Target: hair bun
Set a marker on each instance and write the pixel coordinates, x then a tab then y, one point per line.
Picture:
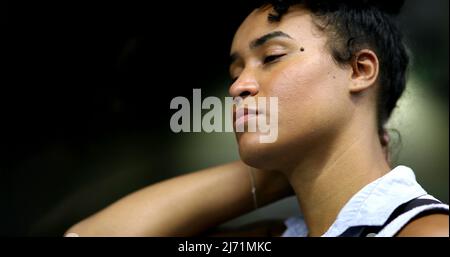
391	7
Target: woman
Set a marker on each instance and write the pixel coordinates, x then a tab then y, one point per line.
337	69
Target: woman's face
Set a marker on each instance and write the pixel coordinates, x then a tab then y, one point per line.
289	60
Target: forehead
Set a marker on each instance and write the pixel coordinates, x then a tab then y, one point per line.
297	23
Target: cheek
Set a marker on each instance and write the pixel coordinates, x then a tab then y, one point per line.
311	93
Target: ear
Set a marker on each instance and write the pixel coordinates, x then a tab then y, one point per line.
365	68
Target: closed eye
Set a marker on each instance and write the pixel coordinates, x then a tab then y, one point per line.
272	58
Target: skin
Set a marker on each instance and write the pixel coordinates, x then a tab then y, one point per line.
435	225
188	205
327	149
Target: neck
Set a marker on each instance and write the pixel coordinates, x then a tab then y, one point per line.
325	181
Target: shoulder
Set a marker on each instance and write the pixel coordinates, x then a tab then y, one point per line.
436	225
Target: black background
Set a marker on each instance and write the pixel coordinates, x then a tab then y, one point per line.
83	73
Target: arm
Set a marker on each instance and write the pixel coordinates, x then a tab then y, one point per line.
186	205
435	225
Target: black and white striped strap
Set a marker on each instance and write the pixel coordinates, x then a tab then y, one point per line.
400	217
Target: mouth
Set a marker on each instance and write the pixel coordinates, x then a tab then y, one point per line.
242	115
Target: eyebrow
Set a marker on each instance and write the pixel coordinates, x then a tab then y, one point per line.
261	41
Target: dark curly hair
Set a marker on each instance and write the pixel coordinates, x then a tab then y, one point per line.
358	24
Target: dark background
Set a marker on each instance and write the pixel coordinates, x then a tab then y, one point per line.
85	95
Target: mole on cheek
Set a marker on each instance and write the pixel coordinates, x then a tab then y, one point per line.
302	49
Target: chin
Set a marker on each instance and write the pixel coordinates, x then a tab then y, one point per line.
256	154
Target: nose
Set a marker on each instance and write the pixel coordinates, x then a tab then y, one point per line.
245	85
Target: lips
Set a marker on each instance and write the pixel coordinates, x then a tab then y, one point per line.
242	115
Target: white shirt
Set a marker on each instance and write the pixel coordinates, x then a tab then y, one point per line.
373	205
